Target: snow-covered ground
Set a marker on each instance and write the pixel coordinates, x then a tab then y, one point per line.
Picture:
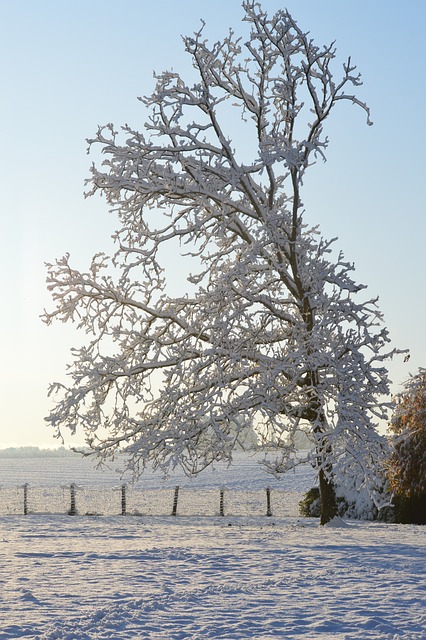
197	577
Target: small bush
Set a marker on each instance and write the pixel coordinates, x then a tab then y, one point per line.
409	509
355	506
310	506
404	509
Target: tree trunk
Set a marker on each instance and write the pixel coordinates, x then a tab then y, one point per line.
327	498
327	489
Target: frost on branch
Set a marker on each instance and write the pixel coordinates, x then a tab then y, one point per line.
273	331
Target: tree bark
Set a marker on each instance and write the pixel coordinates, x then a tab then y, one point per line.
327	498
327	487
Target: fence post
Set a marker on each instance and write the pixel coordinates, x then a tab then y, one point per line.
175	501
268	502
73	510
221	510
123	500
26	499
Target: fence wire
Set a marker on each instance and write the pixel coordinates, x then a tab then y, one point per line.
76	500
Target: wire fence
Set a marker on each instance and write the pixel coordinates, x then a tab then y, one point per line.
124	500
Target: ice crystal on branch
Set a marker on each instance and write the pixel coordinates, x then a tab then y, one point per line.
273	332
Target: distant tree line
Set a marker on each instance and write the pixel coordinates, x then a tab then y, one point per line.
35	452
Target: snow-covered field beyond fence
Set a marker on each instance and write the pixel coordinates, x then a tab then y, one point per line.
197	577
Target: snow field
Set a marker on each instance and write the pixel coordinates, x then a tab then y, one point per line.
195	578
199	576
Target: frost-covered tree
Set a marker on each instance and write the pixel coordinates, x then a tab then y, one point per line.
272	330
407	472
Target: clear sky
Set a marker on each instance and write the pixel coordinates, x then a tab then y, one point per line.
67	67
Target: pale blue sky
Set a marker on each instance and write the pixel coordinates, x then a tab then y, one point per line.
66	67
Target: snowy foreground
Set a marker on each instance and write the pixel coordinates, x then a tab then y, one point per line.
195	577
